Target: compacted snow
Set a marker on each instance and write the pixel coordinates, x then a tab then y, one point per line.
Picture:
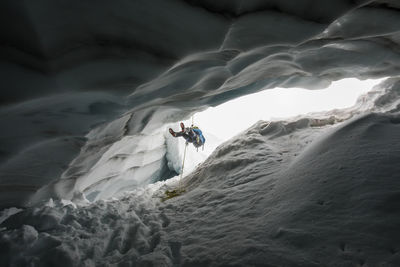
72	73
306	192
90	87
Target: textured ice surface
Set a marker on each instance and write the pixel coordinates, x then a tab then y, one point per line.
113	160
40	137
286	194
7	213
158	62
80	78
307	192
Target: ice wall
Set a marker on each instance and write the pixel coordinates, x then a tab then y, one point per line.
309	192
40	137
170	56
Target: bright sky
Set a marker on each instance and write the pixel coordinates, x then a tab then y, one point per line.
230	118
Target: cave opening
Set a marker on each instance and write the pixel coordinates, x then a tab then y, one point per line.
223	122
230	118
155	156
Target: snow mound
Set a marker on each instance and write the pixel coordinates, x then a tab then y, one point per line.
93	64
283	193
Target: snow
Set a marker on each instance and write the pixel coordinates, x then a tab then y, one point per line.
89	88
42	136
370	28
243	35
306	192
279	104
114	161
114	61
8	212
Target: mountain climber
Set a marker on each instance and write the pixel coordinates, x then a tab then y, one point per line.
191	134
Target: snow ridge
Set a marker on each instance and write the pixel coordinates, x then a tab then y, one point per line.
285	194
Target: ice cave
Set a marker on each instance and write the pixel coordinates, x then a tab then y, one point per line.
90	88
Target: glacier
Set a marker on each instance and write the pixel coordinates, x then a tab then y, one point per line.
90	87
316	190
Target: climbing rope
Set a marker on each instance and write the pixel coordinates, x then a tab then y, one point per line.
183	166
179	191
184	157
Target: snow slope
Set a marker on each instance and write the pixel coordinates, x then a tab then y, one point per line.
115	158
300	193
169	57
80	77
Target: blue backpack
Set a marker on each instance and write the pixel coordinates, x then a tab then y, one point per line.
201	140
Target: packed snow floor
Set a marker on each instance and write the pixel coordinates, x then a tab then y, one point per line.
279	194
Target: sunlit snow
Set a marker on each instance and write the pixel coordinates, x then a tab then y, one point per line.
228	119
282	193
90	88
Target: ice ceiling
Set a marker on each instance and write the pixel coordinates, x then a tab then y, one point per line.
80	77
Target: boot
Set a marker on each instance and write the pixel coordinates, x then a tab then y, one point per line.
172	132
